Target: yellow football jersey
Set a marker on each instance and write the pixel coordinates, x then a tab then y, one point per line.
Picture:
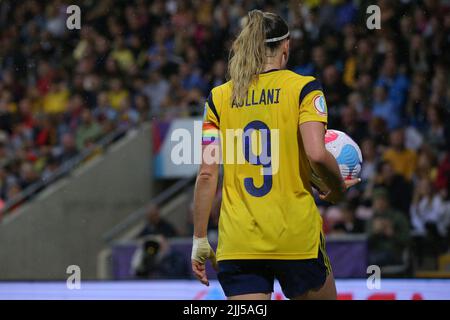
268	210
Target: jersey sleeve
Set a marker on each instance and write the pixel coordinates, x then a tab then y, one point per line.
210	114
313	106
211	122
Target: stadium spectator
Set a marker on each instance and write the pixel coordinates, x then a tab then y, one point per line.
103	111
369	166
67	150
156	89
333	87
426	163
378	131
429	223
353	126
399	190
385	108
402	159
426	210
435	134
156	225
396	83
142	107
117	93
349	223
128	116
155	259
88	130
388	232
416	107
56	100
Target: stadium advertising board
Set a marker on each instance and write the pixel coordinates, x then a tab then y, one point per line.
404	289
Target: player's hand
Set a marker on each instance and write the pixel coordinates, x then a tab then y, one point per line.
335	197
202	251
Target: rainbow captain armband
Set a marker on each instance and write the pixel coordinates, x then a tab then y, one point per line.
210	134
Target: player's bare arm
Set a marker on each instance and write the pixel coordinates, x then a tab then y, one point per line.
205	189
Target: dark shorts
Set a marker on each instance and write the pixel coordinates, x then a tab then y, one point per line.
296	277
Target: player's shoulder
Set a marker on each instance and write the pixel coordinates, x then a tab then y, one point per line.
222	87
301	84
296	78
219	91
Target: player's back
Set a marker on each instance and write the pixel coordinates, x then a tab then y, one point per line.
268	210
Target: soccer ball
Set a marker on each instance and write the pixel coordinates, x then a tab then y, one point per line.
347	154
346	151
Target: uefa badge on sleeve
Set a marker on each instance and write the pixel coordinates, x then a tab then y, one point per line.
320	105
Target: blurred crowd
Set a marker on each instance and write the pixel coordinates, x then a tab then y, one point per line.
61	90
132	61
389	89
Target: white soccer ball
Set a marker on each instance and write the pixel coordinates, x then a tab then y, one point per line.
347	153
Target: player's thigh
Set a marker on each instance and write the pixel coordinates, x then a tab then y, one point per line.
326	292
251	296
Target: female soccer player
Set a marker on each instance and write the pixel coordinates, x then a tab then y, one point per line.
271	124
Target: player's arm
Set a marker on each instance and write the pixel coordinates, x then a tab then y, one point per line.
205	191
321	160
204	194
313	117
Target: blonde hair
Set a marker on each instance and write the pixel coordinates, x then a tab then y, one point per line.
249	51
247	55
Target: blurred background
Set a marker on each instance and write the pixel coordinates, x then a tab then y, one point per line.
86	118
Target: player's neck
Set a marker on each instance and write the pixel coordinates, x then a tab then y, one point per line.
272	65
